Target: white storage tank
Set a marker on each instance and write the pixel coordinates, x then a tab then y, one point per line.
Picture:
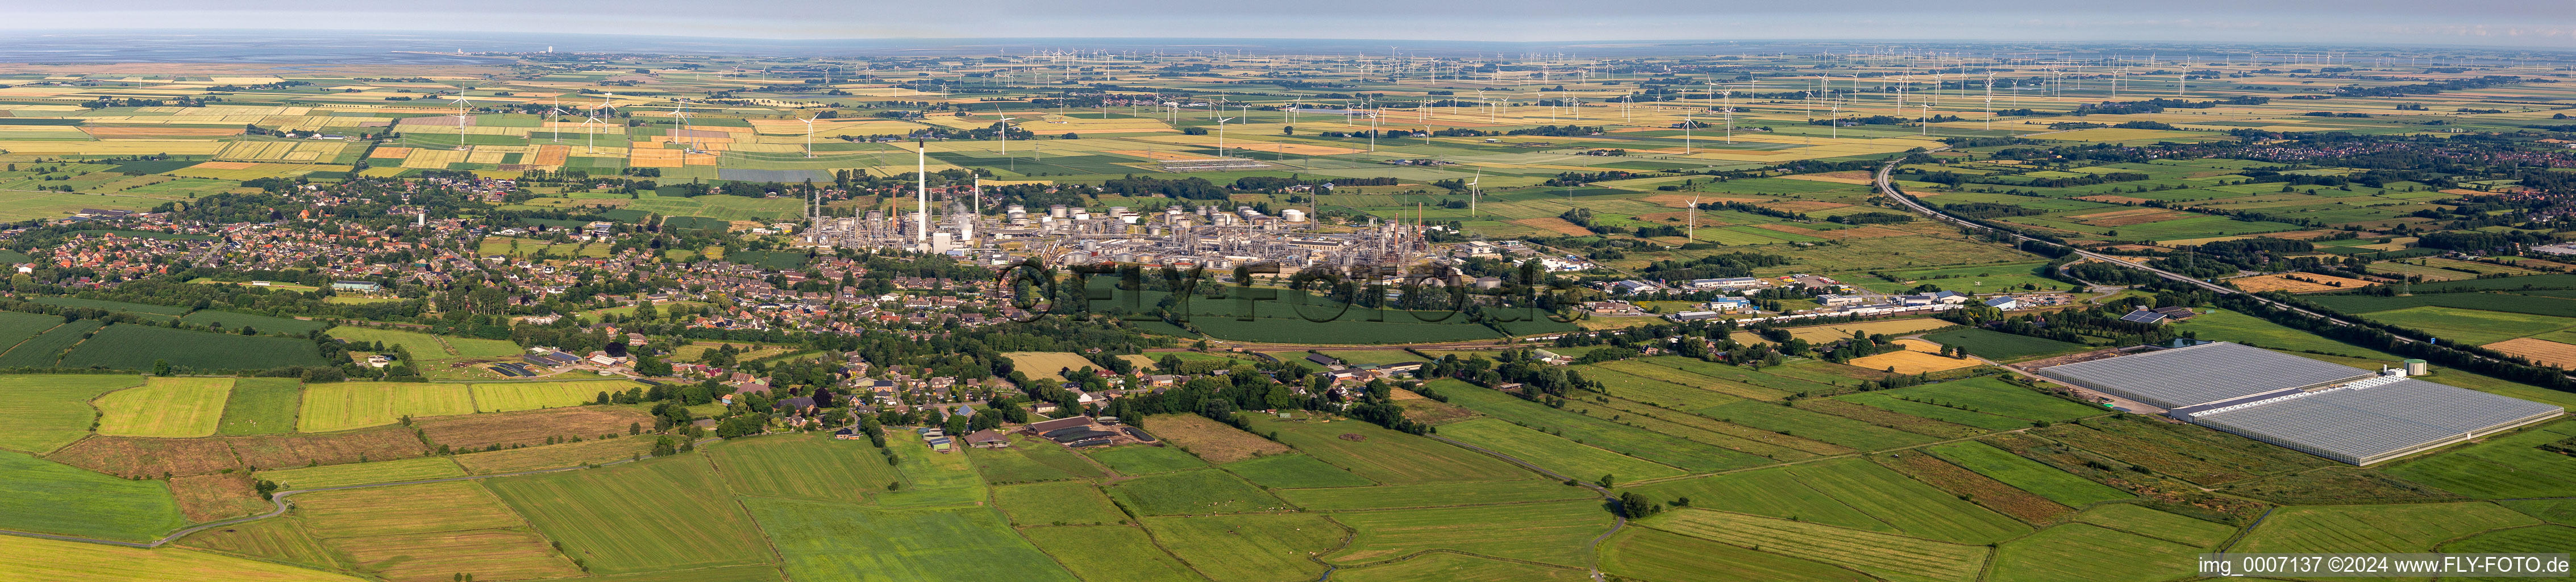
1293	215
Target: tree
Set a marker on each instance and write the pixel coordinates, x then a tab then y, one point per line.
663	445
160	367
1637	506
634	428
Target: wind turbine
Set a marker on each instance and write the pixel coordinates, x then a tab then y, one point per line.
460	122
1691	224
921	189
809	136
1990	100
1471	191
1220	136
1005	123
593	117
554	114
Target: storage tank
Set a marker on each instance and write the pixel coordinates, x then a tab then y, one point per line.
1057	211
1293	215
2418	367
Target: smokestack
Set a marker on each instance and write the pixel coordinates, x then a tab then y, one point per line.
922	187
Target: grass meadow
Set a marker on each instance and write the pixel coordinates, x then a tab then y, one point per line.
165	407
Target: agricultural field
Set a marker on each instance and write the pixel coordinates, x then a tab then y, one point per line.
1433	495
1553	453
1110	553
1197	492
137	347
46	350
45	412
691	523
2375	528
44	496
1886	556
1999	346
364	473
262	406
1048	365
1654	554
347	405
499	397
73	561
1141	460
2025	474
824	541
808	467
1250	548
1293	472
1057	503
1552	533
2470	326
1386	456
1671	451
2230	326
1210	440
165	407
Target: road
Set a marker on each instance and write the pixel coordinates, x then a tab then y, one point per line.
279	501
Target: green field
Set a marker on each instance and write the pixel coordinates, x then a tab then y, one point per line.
138	347
1057	503
1850	493
830	541
1140	460
1433	495
50	497
811	466
2230	326
262	406
2025	474
1552	453
1110	554
2375	528
80	562
165	407
1294	471
1660	448
930	479
1995	345
348	405
428	347
1653	554
602	515
1552	533
364	473
2469	326
1249	548
1892	557
2138	519
1983	395
1387	456
45	412
45	351
18	327
230	322
1197	492
2509	466
2079	551
1029	460
171	311
506	396
1803	423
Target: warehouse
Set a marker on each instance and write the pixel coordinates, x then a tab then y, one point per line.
2329	410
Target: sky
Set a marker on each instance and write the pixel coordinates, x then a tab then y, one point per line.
2540	24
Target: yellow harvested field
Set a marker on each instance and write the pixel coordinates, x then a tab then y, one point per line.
2313	283
1919	345
82	562
391	153
1159	155
114	147
430	159
165	407
1910	362
1047	364
1826	333
2540	351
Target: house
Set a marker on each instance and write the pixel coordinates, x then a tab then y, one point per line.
1730	304
1727	283
2006	303
1324	360
846	434
2144	315
987	439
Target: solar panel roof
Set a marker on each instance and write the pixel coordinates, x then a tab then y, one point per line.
2201	374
